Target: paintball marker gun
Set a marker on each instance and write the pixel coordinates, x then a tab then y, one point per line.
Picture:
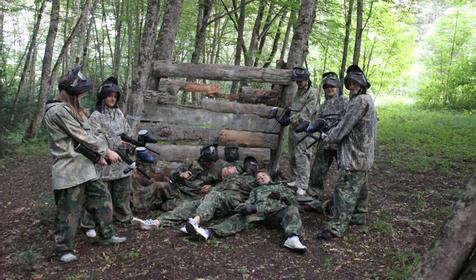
283	119
319	125
142	139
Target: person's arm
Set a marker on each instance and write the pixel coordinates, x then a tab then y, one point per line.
308	110
355	112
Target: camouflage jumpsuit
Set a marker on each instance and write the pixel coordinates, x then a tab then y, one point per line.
304	105
332	110
75	181
356	135
276	207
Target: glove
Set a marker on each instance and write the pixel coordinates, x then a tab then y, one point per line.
316	126
248	209
275	195
301	127
284	121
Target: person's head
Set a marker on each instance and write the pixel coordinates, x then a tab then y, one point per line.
209	154
355	80
250	165
301	76
263	178
108	94
72	87
228	171
231	152
330	84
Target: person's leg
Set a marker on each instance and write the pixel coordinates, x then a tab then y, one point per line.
211	203
303	165
180	214
321	165
99	204
230	226
292	157
359	217
290	221
69	203
121	199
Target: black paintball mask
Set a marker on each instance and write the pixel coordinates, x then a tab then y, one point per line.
109	86
330	79
76	83
209	153
231	153
356	74
250	165
300	74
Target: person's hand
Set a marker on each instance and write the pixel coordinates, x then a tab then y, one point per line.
112	156
102	161
187	174
205	188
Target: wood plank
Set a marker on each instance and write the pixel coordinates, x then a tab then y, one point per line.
221	72
223	106
206	119
179	153
255	96
248	139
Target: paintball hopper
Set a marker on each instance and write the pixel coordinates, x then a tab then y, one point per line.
144	137
143	155
76	83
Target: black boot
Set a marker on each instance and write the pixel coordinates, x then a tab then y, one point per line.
325	234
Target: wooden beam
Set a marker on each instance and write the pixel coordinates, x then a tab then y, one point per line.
255	96
223	106
221	72
248	139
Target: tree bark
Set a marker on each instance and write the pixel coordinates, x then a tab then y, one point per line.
447	257
3	53
116	63
252	48
287	34
255	96
274	49
358	33
239	41
345	45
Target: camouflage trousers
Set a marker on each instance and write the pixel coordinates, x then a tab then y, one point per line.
287	218
180	214
92	195
350	203
320	167
217	203
299	159
121	194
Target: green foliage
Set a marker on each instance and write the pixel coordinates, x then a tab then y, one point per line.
404	263
418	139
449	58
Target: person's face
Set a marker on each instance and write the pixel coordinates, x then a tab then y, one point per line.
301	84
111	100
263	178
331	91
354	87
229	170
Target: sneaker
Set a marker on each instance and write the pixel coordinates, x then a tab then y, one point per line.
196	231
68	257
183	229
300	192
291	184
293	243
117	239
148	224
91	233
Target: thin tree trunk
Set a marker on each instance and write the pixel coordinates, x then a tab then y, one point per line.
264	33
287	34
239	41
345	46
65	31
117	42
99	50
358	32
250	55
3	53
274	49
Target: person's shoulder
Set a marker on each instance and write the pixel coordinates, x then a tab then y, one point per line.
56	107
95	114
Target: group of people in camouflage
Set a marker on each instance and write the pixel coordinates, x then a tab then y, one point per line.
94	192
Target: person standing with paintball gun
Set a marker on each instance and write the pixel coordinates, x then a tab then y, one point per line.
75	181
355	135
303	106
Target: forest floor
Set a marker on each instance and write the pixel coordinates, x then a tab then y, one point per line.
407	209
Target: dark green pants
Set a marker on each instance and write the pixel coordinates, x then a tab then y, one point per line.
93	196
320	167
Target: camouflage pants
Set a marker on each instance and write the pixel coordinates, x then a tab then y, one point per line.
217	203
121	194
92	195
350	201
320	167
299	159
287	219
180	214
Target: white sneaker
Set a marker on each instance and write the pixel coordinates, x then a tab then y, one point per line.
91	233
183	229
300	191
148	224
117	239
195	230
293	243
68	257
292	184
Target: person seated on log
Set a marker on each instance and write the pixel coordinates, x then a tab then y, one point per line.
270	204
222	199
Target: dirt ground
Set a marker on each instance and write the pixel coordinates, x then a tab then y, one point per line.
406	211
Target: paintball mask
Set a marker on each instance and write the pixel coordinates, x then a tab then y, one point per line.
250	165
209	153
231	153
300	74
356	74
76	83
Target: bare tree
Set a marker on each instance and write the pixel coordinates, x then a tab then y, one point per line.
358	32
345	45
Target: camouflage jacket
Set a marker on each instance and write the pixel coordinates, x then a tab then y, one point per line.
266	203
64	132
238	185
113	123
333	109
304	106
356	134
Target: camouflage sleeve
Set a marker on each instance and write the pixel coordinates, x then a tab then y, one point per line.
97	127
309	109
355	111
83	135
288	195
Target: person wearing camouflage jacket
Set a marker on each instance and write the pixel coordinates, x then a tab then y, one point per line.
331	111
355	135
75	181
304	105
270	204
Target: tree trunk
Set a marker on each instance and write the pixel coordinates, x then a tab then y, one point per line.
117	42
345	47
287	34
358	33
239	41
45	72
449	254
135	104
297	54
250	56
27	74
274	49
3	54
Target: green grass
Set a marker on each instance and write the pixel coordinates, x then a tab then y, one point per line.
420	140
403	264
